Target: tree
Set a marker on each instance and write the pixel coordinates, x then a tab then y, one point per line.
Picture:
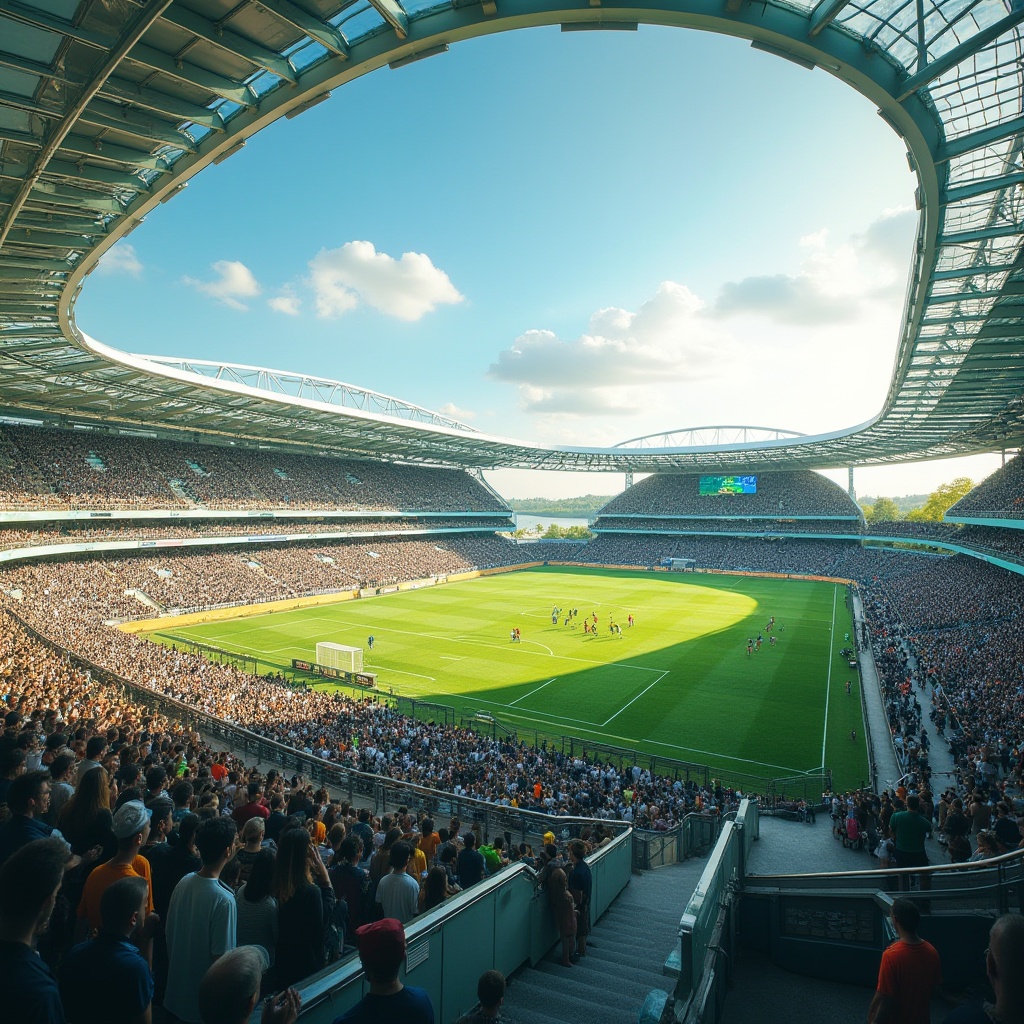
884	510
944	496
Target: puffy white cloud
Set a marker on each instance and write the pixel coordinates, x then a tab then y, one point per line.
288	304
121	259
354	274
233	282
836	281
451	409
607	369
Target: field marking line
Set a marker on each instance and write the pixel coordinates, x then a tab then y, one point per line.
532	692
452	657
636	698
828	681
533	714
402	672
536	643
713	753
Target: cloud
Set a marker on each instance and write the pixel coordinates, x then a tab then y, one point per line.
835	281
789	300
234	282
288	304
407	288
607	369
121	259
452	410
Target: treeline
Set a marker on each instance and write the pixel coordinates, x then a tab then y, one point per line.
930	510
563	508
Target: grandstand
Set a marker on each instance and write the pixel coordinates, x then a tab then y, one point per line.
134	487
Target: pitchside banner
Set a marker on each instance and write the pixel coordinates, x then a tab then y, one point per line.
368	680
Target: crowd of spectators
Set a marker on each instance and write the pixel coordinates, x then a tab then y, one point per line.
763	525
167	854
197	578
250	528
48	468
1000	496
798	492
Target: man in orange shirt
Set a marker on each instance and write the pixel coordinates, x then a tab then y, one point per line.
909	973
131	828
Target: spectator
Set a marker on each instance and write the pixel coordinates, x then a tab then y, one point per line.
910	828
131	829
106	980
471	862
909	973
28	799
563	911
257	908
305	902
230	990
86	820
490	991
62	769
201	921
94	751
1004	964
435	889
253	808
351	883
29	882
253	832
581	885
398	892
381	952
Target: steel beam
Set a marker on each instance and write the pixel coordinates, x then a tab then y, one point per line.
949	60
141	96
223	38
320	31
394	14
189	74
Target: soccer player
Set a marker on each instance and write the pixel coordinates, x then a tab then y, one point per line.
369	642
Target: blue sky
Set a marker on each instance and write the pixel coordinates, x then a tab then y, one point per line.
567	238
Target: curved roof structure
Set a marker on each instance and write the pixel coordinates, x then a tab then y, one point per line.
108	107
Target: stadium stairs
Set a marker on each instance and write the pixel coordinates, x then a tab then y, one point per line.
625	956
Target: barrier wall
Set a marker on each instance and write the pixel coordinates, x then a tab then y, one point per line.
501	923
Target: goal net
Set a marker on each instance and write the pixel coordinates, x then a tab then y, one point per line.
338	656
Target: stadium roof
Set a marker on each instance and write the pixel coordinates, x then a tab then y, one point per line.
108	107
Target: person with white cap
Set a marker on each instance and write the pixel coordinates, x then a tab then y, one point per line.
131	830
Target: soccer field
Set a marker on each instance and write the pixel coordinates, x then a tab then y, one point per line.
679	683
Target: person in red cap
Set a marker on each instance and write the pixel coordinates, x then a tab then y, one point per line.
382	951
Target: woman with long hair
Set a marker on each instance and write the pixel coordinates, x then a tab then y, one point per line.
86	819
435	889
257	908
305	907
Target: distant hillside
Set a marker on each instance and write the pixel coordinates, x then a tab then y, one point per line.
566	508
905	504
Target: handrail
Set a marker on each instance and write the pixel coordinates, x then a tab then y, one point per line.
1002	860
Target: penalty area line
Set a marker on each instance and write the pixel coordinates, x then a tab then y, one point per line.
636	698
532	692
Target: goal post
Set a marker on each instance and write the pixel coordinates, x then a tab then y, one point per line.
340	657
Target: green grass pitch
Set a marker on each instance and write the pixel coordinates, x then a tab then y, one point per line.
679	683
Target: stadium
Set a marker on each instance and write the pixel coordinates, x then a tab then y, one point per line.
233	593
